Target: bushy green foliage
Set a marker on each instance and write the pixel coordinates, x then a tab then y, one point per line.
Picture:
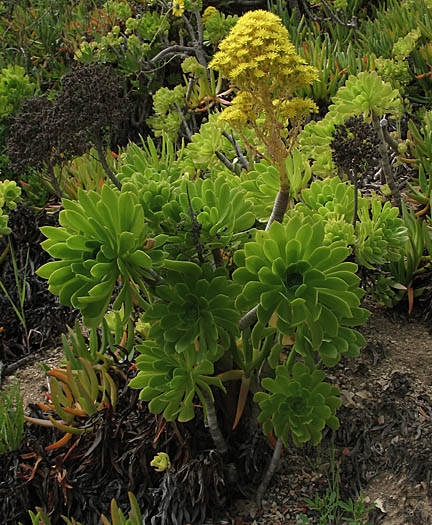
11	419
129	49
328	198
199	154
217	25
192	322
314	141
9	195
166	118
261	182
211	214
364	94
379	234
15	87
288	271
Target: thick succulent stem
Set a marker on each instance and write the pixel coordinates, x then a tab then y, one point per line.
172	50
248	319
242	160
225	161
270	471
355	184
213	424
385	161
279	208
393	143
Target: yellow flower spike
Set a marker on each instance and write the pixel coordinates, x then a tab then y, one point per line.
260	34
178	7
258	57
161	462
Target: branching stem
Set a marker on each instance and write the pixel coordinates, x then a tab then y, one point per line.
385	161
270	471
105	166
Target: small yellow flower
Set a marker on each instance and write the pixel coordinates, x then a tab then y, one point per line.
208	13
178	7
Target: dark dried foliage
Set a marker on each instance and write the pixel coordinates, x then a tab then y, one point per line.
90	109
354	146
30	138
46	318
81	478
90	106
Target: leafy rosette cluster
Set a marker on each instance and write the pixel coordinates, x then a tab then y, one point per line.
199	154
299	404
153	191
195	309
365	93
308	287
102	237
10	193
262	185
381	235
328	198
331	201
170	381
337	229
146	159
211	213
167	120
314	141
216	24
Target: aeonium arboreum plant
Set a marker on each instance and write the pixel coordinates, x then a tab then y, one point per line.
304	292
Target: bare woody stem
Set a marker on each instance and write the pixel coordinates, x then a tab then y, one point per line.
53	180
213	424
105	166
170	51
393	143
270	471
385	161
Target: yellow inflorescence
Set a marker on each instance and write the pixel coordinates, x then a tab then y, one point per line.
241	112
178	7
210	11
257	54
